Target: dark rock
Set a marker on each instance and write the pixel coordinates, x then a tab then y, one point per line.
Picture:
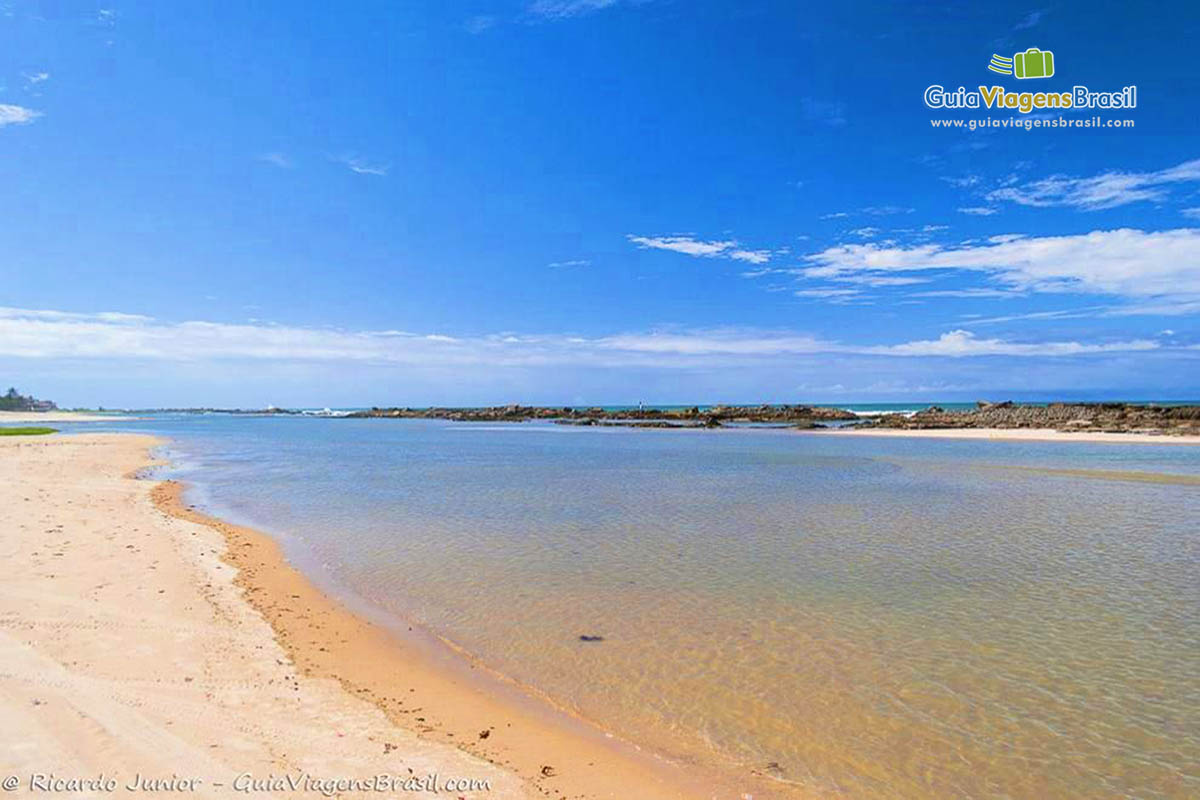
1113	417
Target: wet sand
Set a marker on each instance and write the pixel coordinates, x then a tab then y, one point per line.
130	647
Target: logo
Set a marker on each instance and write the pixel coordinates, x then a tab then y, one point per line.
1033	63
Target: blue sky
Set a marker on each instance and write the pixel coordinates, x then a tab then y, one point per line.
589	201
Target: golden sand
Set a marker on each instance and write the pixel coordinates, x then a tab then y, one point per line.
142	637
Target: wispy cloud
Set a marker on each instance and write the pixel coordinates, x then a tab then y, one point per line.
47	334
1099	192
825	112
362	166
479	23
683	244
1030	20
978	211
277	159
977	291
1123	262
871	211
865	232
577	262
1190	213
34	78
836	295
688	245
17	115
886	211
961	343
564	9
876	281
964	182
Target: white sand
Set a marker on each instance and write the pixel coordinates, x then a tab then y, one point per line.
125	648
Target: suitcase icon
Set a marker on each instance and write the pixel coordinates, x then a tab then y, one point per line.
1033	63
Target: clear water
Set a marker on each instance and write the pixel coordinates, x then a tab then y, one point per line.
861	617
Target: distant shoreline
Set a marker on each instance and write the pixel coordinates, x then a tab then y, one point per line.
60	416
1095	422
1010	435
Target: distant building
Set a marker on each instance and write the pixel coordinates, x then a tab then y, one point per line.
42	405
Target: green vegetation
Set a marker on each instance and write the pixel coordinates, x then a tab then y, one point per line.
26	431
12	400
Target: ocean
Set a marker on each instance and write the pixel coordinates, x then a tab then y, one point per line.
855	617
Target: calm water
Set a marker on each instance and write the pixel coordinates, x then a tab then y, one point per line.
858	617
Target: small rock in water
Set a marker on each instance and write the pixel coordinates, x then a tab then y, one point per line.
583	637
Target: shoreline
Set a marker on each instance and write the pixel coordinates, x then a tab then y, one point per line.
1010	435
427	684
130	652
142	637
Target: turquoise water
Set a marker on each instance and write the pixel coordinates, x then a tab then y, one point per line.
856	617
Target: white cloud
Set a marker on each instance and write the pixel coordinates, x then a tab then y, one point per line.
577	262
16	115
691	246
866	232
682	244
1191	213
834	215
1124	262
35	78
828	294
719	341
877	281
751	256
1158	307
1107	190
978	211
969	292
960	343
80	337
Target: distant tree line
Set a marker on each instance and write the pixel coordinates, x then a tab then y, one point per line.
12	400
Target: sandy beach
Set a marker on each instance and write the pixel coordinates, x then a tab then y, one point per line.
142	639
1012	434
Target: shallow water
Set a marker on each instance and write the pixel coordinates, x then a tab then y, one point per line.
859	617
